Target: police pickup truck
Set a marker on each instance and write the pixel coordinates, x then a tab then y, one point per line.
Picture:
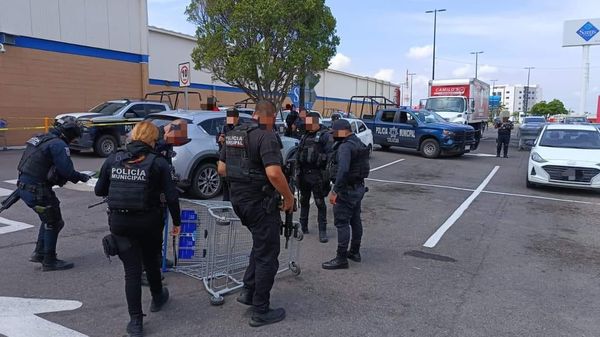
421	130
106	126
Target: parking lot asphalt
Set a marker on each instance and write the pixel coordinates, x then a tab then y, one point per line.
511	262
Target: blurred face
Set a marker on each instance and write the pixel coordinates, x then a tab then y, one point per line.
341	133
303	114
232	120
312	124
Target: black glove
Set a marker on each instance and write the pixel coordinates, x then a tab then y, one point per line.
83	177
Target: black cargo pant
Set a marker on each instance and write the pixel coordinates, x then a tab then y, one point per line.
346	216
264	263
44	202
140	252
503	141
310	182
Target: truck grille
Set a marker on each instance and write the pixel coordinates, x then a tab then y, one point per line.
462	136
571	174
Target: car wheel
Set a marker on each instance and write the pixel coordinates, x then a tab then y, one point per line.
528	183
430	148
105	145
207	183
384	147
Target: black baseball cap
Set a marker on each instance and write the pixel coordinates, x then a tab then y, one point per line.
341	124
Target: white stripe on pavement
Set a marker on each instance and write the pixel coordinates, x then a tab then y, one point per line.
12	226
13	181
480	154
542	198
435	238
386	165
4	192
420	184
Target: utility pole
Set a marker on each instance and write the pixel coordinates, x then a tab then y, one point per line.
411	86
434	11
493	86
526	102
476	53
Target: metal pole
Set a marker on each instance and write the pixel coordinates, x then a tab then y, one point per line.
411	87
526	102
585	80
187	102
476	53
434	11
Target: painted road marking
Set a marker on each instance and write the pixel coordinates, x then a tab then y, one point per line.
13	181
542	198
480	154
435	238
4	192
420	184
12	226
386	165
18	317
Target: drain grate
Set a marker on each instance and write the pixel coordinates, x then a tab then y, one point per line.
430	256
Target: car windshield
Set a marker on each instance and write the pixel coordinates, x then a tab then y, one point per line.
163	120
107	108
576	120
451	104
571	139
429	117
534	120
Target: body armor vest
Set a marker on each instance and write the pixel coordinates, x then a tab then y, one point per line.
239	165
359	162
130	183
311	153
34	161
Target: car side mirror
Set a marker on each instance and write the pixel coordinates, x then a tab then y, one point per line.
472	105
130	114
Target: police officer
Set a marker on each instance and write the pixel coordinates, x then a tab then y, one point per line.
504	129
135	181
47	162
290	119
252	163
349	167
311	158
231	121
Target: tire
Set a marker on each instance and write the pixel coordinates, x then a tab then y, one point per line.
217	300
384	147
206	183
528	183
105	145
430	148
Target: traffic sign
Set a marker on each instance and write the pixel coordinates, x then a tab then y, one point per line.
184	74
294	95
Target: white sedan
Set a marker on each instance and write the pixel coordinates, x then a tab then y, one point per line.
358	128
567	156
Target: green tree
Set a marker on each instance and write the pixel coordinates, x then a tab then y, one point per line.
539	109
263	46
554	107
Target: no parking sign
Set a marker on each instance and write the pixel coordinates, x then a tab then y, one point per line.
184	74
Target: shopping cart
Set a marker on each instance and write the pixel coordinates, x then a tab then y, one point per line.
214	247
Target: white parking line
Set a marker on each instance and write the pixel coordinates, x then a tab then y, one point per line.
12	226
480	154
543	198
435	238
13	181
4	192
420	184
386	165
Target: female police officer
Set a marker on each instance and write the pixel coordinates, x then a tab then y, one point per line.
135	181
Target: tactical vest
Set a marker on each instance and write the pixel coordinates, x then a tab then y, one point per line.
240	167
359	162
130	183
311	153
35	162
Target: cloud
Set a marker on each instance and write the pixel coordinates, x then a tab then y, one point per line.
384	74
339	62
463	71
487	69
418	53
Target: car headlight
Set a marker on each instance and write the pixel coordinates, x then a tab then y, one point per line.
448	133
537	158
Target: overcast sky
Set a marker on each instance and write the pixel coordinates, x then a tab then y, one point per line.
383	39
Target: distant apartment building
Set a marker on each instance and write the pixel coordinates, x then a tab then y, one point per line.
514	98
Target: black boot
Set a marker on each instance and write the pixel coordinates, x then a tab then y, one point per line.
51	263
159	300
246	296
135	328
304	229
323	237
339	262
38	253
269	317
354	254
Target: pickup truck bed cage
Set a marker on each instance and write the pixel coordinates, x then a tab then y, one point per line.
166	95
369	105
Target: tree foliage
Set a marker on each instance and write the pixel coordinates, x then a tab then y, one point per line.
262	46
554	107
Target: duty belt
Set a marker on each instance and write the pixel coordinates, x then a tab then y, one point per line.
32	188
127	211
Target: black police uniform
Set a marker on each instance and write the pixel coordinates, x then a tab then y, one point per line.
289	121
312	157
226	128
46	162
349	166
249	149
504	130
134	182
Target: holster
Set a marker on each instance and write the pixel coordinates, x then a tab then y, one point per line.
114	244
272	199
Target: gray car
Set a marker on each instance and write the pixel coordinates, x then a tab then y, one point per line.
529	130
195	163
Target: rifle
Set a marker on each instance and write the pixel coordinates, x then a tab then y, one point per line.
10	200
104	200
288	228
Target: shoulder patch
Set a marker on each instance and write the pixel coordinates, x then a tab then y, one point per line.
68	151
35	141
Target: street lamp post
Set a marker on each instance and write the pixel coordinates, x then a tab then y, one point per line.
476	53
411	86
526	102
493	86
434	11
